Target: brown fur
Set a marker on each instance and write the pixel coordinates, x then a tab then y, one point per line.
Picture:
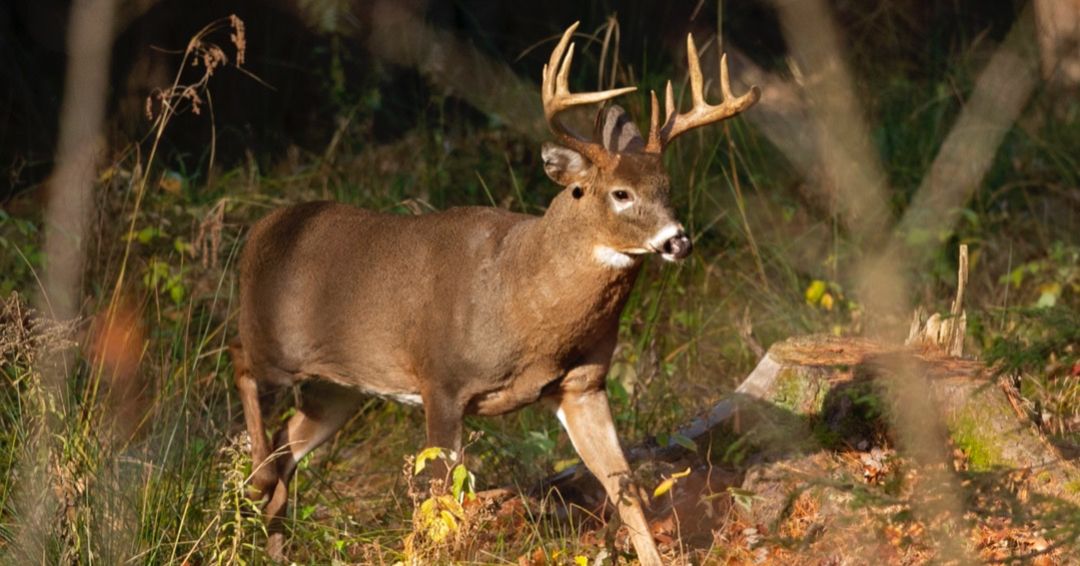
474	310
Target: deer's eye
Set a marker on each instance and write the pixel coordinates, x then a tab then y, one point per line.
621	195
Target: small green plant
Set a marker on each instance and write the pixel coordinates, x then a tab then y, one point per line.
20	254
237	522
447	517
1049	277
164	278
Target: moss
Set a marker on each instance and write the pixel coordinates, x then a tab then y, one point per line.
788	390
969	434
800	393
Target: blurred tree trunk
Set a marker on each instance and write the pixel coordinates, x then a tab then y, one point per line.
80	144
46	483
1058	23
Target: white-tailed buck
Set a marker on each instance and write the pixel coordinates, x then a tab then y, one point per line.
472	310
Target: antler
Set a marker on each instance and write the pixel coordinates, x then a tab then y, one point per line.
556	95
701	113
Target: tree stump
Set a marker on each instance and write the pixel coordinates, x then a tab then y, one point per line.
817	418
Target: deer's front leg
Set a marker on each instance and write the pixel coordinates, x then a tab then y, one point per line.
587	418
443	412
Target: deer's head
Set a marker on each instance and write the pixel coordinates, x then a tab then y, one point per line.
617	179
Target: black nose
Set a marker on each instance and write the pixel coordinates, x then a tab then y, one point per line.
678	246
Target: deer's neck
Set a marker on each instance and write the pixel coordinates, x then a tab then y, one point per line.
561	287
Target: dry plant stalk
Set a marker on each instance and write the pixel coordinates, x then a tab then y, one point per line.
207	242
26	337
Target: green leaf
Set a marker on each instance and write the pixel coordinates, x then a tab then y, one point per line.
743	498
683	441
176	293
463	482
146	235
541	441
183	246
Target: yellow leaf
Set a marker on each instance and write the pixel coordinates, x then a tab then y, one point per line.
437	531
429	453
561	465
581	560
1048	295
815	291
450	503
107	174
664	487
449	520
427	510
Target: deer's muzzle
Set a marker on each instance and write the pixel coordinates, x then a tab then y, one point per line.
676	247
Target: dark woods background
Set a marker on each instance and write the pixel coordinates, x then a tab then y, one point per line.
315	65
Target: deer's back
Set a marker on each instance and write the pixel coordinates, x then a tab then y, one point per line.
354	296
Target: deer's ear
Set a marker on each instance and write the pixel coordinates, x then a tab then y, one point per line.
564	165
617	131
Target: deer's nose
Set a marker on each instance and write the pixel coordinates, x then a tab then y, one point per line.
678	246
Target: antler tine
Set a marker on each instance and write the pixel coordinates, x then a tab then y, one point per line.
556	95
725	85
656	130
653	145
701	113
697	93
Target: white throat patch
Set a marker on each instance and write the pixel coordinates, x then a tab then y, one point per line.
612	258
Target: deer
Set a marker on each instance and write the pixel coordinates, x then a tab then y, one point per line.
471	310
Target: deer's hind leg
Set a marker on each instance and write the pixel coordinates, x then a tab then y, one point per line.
264	473
323	409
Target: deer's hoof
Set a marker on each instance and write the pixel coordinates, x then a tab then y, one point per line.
275	547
